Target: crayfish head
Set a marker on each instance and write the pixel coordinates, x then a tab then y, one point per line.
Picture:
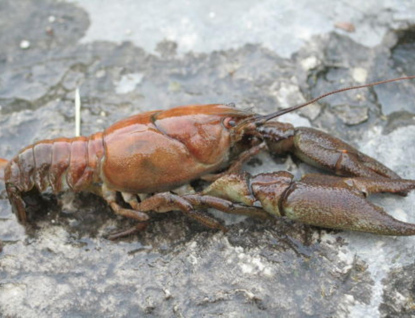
207	131
243	134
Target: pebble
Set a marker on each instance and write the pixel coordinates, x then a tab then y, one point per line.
25	44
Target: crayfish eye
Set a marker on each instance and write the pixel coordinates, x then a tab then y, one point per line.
229	122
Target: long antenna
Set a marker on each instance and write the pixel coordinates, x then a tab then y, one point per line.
262	119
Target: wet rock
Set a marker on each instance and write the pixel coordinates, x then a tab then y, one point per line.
61	264
399	293
351	115
399	119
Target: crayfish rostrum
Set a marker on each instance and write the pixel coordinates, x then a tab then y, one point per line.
158	151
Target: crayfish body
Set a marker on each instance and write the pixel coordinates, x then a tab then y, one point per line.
149	152
158	151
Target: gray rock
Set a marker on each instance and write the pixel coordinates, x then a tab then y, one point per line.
62	265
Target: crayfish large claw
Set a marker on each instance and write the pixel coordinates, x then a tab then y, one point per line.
323	151
320	200
338	203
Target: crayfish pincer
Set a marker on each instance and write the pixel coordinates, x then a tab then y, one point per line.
158	151
316	199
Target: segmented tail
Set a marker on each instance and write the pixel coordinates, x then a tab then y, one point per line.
63	163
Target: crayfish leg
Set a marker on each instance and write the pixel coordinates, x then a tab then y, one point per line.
110	197
17	202
236	166
129	213
226	206
166	201
135	229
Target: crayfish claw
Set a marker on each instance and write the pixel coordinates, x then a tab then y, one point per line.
332	202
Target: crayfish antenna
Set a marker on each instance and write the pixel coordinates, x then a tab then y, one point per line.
260	120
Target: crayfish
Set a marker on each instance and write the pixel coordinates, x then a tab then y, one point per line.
158	151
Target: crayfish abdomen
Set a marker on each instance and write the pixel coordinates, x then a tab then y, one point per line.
63	164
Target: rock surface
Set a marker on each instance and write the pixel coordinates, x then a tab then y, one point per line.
258	56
